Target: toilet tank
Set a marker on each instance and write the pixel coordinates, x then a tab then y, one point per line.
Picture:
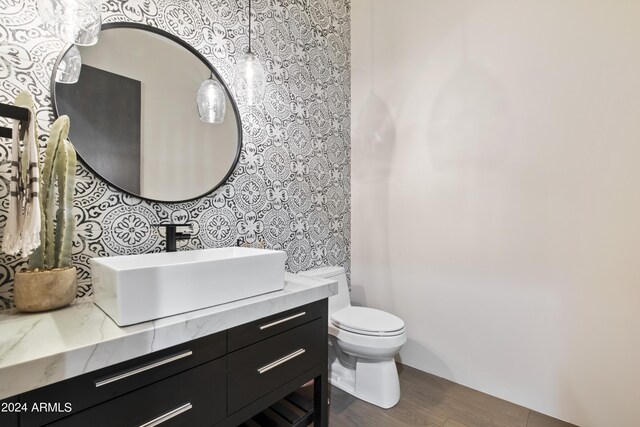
341	299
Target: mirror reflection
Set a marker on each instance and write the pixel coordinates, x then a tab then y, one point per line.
148	114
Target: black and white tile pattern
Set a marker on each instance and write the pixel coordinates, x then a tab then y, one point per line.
291	187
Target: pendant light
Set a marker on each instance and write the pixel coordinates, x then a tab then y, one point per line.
72	21
211	101
249	75
68	71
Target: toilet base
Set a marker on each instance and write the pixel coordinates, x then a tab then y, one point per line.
374	381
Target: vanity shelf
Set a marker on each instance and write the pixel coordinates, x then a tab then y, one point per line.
295	410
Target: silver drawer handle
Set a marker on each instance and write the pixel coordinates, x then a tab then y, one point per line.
143	368
168	415
286	319
279	362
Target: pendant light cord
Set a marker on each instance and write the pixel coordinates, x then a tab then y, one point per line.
249	51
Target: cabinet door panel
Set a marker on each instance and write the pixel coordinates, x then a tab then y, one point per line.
260	368
196	397
9	412
96	387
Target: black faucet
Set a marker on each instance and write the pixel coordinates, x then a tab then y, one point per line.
173	235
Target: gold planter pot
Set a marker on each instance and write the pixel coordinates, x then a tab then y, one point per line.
44	290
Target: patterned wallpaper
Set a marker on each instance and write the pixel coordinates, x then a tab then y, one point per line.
291	187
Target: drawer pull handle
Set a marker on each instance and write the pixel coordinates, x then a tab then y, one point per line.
143	368
286	319
168	415
279	362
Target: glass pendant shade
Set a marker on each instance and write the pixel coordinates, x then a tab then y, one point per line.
72	21
211	101
250	80
68	70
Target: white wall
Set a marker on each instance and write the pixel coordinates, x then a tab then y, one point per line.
496	194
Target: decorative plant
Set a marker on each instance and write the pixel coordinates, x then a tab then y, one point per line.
56	234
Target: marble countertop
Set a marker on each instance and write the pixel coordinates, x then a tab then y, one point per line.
43	348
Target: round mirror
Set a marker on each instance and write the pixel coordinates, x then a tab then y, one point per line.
141	113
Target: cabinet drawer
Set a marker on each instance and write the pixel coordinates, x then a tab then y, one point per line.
192	398
250	333
260	368
96	387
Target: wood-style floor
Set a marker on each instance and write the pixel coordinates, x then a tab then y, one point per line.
428	400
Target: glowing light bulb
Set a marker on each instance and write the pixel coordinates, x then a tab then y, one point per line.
250	80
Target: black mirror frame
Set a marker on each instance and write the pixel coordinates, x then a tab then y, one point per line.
196	53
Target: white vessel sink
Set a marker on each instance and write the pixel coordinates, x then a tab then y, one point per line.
137	288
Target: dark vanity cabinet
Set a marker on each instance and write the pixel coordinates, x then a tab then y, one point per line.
8	411
222	379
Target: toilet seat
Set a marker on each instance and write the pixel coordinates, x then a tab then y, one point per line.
368	346
367	321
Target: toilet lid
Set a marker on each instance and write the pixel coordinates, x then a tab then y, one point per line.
367	321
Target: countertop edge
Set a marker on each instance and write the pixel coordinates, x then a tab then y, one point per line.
79	348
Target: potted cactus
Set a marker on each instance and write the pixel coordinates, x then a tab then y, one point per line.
50	282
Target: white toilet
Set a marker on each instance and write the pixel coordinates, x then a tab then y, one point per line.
362	345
